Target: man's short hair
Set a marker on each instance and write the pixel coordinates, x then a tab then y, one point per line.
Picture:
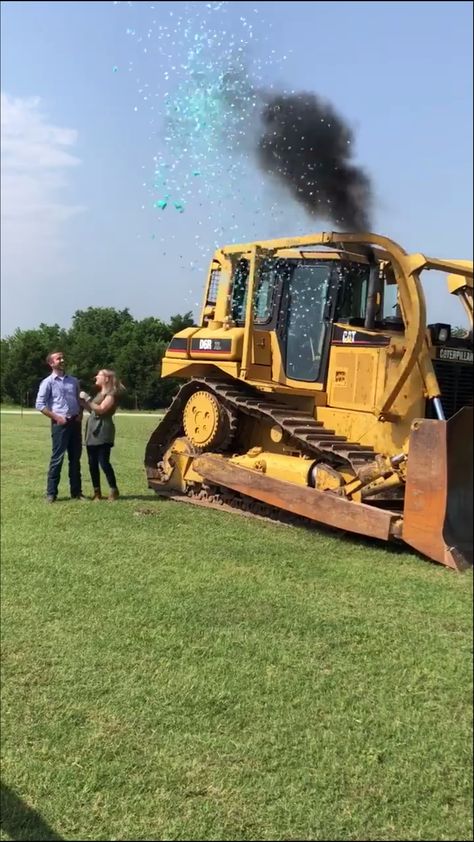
51	355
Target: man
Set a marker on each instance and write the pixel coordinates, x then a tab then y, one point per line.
58	399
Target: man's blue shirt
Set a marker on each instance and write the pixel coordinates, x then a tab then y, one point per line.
59	395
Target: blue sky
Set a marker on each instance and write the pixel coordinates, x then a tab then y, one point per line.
85	88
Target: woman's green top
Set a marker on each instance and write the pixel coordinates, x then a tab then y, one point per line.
100	429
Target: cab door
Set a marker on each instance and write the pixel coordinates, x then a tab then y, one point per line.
305	320
263	313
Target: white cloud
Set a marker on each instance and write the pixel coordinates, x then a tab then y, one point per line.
36	162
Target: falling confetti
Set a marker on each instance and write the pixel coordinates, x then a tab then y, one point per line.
221	135
202	119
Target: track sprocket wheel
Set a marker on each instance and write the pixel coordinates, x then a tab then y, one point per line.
208	424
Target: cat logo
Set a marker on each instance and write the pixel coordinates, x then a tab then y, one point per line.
348	335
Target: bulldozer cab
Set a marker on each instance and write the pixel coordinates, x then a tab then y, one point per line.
293	307
298	297
277	314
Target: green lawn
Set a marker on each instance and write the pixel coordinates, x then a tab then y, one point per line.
177	673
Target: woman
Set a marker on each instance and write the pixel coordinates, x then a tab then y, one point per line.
100	430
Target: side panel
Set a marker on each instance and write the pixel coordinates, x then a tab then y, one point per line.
352	378
364	427
261	348
179	345
187	369
217	344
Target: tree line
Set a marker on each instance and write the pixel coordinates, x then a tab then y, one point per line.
99	337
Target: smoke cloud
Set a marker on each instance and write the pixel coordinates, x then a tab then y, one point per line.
307	146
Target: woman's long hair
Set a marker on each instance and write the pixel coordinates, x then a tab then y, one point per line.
112	386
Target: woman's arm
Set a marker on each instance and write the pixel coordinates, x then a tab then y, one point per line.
100	409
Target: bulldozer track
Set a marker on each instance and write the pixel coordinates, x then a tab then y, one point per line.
220	499
300	429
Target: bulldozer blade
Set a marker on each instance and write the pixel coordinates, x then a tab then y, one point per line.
321	506
437	517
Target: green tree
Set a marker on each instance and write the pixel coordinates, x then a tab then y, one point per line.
24	363
459	332
178	322
138	363
99	337
94	339
4	357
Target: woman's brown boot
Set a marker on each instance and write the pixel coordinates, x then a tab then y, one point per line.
97	494
114	495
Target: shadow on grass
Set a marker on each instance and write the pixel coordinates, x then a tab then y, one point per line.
20	821
145	497
393	548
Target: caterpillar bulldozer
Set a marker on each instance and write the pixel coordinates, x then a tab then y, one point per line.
315	388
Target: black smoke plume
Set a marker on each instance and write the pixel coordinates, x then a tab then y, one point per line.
307	146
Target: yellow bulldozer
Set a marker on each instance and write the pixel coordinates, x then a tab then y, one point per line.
316	389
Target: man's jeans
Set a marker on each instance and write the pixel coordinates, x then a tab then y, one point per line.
65	437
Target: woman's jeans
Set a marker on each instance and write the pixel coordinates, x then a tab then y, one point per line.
99	455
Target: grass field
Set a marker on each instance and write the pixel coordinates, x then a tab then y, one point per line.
178	673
